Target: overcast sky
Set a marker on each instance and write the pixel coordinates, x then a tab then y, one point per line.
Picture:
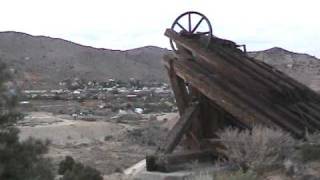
127	24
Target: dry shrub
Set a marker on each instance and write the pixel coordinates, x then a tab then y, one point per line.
203	175
313	138
256	148
310	149
238	175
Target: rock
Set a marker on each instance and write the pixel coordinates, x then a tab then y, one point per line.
76	92
74	116
138	110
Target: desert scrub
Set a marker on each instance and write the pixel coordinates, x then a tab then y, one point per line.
310	149
203	175
72	170
257	148
237	175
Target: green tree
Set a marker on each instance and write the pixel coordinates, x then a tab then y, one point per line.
19	160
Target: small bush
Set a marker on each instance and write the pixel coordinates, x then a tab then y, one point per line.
66	165
309	152
313	138
202	176
310	149
238	175
108	138
72	170
257	148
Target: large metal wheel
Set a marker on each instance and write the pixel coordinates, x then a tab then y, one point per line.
190	24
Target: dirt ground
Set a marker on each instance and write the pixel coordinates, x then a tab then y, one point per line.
106	143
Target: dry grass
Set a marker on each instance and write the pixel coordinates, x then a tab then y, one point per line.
238	175
257	148
310	149
254	154
203	175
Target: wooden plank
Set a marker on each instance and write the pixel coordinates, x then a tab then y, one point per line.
206	84
179	129
190	71
305	111
229	120
228	68
295	88
236	93
238	76
266	72
315	108
260	76
278	79
259	95
179	89
223	66
211	118
311	95
249	67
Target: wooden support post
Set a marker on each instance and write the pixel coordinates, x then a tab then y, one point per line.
179	129
174	136
210	118
179	89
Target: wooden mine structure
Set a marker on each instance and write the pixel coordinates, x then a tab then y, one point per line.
217	85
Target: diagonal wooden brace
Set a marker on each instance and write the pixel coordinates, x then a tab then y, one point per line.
180	128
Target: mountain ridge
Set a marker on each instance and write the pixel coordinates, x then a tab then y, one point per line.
43	61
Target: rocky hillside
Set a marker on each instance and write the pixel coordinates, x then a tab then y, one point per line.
302	67
42	62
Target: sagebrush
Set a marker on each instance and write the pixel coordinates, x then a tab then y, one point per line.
72	170
237	175
257	147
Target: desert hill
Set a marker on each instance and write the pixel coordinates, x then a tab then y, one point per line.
42	62
302	67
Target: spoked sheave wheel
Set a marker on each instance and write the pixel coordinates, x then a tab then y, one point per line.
192	23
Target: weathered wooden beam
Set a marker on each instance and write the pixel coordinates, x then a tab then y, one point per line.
234	70
235	103
254	68
211	118
229	119
257	88
311	95
222	65
259	80
263	72
179	89
242	62
179	129
306	113
255	95
173	162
